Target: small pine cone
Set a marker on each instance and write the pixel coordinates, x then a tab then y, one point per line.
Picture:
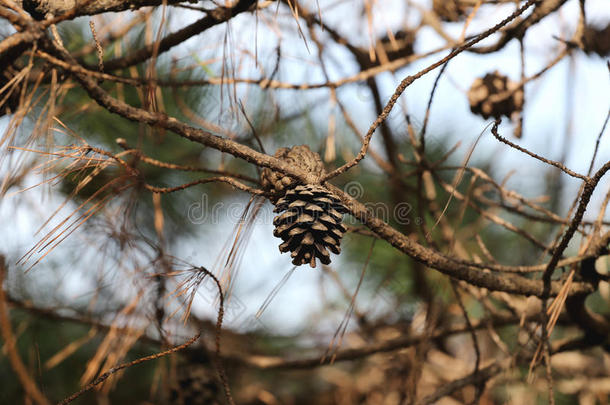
450	10
597	40
300	157
482	91
196	385
309	224
401	46
387	50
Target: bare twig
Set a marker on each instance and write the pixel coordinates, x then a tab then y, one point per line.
120	367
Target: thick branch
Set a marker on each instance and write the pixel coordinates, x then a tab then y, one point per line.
452	267
40	8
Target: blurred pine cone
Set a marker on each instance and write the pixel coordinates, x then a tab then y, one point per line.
450	10
196	385
387	50
597	40
483	91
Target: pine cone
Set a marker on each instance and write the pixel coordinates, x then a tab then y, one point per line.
387	50
300	157
482	91
597	40
450	10
309	220
196	386
310	224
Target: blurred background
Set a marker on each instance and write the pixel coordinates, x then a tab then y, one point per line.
85	255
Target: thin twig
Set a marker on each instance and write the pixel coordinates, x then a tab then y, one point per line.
494	131
236	184
120	367
478	378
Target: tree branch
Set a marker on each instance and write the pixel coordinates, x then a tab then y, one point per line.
216	17
40	8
